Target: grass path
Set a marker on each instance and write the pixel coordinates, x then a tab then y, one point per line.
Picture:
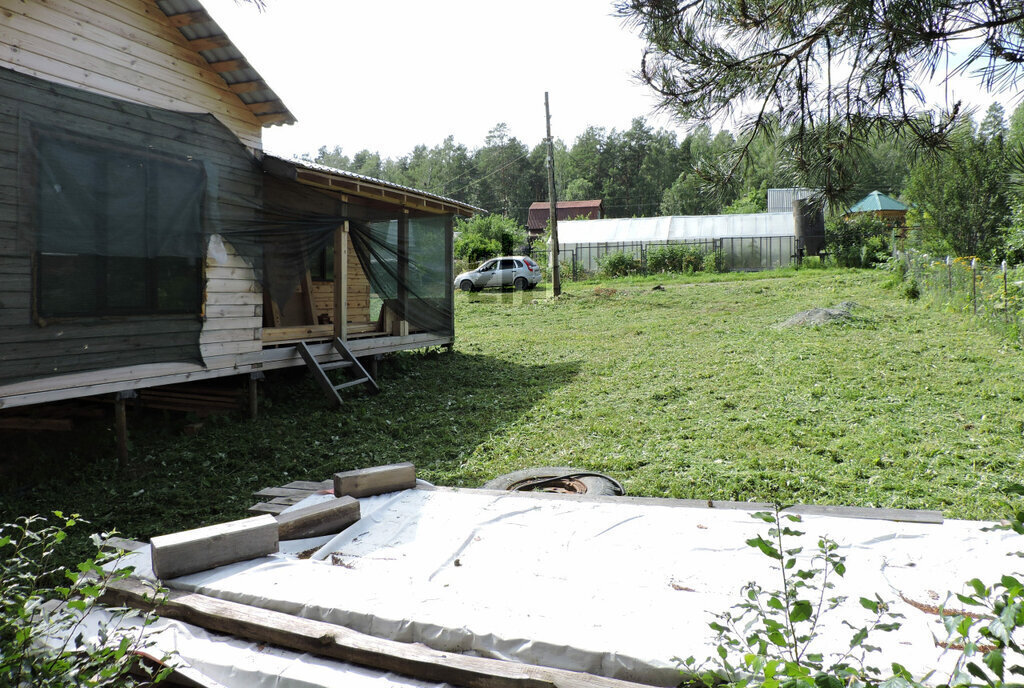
693	391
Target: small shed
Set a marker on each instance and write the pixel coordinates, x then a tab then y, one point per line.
540	211
884	208
146	238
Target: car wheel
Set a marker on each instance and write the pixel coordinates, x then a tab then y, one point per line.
560	479
520	283
466	285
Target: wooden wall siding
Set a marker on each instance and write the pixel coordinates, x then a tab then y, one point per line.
28	349
233	305
358	293
125	49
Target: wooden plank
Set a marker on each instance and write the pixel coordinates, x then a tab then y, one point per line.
188	18
199	549
282	334
377	480
318	519
120	378
284	492
337	642
215	336
267	508
233	323
209	43
240	87
222	66
311	485
289	500
37	424
876	513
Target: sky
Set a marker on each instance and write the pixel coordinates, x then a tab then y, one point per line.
391	74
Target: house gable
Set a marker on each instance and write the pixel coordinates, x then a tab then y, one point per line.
131	50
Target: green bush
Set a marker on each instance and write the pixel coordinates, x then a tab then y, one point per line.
619	264
31	583
861	241
682	258
486	236
475	248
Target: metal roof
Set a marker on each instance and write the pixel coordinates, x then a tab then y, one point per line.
362	185
875	201
206	37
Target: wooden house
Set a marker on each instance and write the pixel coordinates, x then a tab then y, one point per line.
540	212
145	237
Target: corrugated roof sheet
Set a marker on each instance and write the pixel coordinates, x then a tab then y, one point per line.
214	46
875	201
399	188
541	210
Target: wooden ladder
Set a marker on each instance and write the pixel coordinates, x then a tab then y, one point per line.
348	361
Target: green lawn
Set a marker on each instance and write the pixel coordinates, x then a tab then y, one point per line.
689	392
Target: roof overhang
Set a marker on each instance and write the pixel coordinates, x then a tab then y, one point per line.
352	184
206	37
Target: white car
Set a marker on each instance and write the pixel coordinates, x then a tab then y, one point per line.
507	271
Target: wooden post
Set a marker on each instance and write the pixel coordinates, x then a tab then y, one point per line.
556	278
254	379
449	274
403	274
121	429
341	282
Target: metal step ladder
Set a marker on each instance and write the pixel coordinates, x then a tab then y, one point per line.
348	361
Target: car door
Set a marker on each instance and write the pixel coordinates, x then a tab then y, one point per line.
486	275
507	271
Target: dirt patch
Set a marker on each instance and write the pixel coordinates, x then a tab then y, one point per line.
822	316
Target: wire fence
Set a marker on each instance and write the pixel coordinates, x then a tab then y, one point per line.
994	293
749	254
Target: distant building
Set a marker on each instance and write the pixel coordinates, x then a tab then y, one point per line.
781	200
537	221
884	208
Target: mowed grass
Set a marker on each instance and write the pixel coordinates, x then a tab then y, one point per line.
694	392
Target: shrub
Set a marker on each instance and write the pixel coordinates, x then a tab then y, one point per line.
714	262
42	602
475	248
488	236
858	242
619	264
675	258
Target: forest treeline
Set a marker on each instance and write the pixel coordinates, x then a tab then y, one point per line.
963	198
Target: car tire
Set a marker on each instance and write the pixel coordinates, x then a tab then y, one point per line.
466	285
520	283
576	481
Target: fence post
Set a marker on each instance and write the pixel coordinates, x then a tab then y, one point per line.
949	275
974	284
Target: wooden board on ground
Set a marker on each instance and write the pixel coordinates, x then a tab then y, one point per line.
318	519
340	643
188	551
377	480
267	508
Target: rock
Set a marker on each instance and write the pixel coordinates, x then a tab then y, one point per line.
658	287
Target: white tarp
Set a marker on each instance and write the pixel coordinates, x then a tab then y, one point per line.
221	661
676	228
614	588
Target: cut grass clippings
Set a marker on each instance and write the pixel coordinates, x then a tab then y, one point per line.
692	392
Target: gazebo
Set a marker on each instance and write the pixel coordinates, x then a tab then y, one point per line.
884	207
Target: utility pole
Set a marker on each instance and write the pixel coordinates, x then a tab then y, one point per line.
556	279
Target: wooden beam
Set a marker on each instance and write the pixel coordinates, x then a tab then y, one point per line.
343	644
241	87
403	274
188	18
37	424
199	549
222	66
341	239
210	43
267	107
366	482
332	516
